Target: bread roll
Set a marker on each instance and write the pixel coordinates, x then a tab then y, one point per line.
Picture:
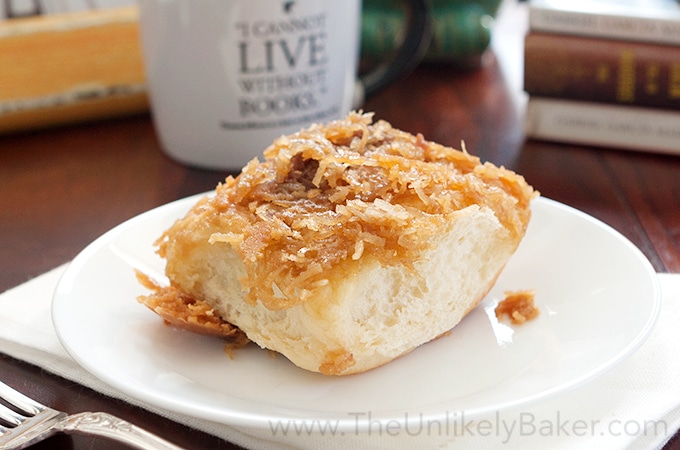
350	245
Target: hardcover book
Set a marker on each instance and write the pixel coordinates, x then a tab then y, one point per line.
603	125
640	20
603	70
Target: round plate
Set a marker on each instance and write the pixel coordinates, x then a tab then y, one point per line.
597	294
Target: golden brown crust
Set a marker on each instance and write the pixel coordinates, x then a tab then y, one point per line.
336	362
327	195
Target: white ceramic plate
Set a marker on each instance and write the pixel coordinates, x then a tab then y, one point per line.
597	294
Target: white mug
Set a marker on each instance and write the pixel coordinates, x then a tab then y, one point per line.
227	77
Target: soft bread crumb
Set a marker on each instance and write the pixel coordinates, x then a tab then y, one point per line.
518	306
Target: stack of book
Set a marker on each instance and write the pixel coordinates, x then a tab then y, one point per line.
604	73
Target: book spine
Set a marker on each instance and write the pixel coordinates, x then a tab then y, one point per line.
603	125
604	25
602	70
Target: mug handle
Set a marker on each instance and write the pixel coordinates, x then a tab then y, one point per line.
409	54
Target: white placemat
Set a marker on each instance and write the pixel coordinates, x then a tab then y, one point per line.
636	405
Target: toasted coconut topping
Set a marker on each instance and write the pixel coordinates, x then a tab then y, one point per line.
518	306
179	309
343	191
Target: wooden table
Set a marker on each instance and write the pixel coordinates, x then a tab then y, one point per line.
61	188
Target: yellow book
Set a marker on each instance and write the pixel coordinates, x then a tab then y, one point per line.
68	68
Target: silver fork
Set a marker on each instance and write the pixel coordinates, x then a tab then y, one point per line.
29	422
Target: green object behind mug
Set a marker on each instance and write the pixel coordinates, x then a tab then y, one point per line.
461	28
490	6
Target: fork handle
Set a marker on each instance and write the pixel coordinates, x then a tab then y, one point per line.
112	427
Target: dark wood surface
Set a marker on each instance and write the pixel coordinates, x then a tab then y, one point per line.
61	188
